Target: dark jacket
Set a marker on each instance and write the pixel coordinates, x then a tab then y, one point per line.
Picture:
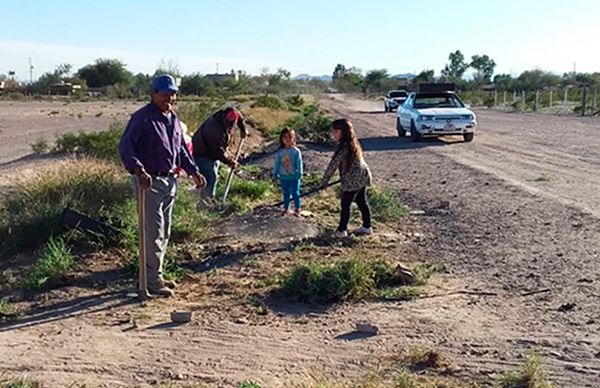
213	137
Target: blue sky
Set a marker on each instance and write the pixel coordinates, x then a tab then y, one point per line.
306	36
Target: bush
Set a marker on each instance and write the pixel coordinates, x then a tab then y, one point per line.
295	101
530	376
327	283
311	125
271	102
193	114
32	214
268	121
385	204
22	382
40	146
53	263
103	145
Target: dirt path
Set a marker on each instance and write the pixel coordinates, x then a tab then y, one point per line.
508	231
22	123
494	237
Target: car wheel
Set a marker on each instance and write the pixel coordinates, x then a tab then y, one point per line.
468	137
414	134
400	128
385	108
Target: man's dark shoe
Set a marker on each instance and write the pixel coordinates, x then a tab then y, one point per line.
168	283
162	291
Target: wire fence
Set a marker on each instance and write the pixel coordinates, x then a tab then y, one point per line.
570	100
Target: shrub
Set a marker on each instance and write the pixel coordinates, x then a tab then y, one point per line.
6	309
193	114
40	146
271	102
385	204
531	375
295	101
21	382
267	120
102	145
311	124
32	214
356	278
321	283
53	263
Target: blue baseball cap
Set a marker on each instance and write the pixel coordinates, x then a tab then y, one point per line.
165	84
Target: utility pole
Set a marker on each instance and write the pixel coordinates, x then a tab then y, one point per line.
30	71
217	67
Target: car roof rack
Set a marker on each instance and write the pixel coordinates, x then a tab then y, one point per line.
437	88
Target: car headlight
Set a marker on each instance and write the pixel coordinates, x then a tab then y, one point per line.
425	118
467	117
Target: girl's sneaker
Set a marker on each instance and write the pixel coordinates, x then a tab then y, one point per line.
340	233
298	213
362	231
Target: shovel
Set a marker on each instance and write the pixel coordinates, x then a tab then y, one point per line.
311	192
143	279
231	172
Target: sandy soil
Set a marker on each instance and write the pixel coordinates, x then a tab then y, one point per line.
22	123
501	235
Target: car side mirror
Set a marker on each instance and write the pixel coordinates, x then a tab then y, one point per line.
468	106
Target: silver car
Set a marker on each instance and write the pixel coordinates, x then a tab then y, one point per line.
435	114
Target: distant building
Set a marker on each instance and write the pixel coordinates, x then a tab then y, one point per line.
223	77
64	88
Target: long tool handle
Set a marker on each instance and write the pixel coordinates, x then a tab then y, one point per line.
311	192
230	177
143	278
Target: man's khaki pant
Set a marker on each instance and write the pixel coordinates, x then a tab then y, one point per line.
159	203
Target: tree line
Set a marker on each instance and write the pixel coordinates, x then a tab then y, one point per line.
112	78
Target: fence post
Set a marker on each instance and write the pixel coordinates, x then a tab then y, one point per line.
514	96
523	100
565	100
504	98
583	101
537	100
495	98
550	102
595	100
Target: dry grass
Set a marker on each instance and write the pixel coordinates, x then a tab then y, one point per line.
267	120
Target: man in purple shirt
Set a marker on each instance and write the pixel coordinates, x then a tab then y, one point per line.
151	149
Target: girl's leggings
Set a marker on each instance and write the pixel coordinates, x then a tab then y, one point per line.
291	190
360	197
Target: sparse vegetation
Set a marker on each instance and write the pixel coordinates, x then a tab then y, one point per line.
6	308
271	102
385	204
32	214
545	177
53	262
101	145
356	278
531	375
40	146
21	382
311	124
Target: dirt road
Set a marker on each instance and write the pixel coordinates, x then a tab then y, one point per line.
503	235
24	122
523	217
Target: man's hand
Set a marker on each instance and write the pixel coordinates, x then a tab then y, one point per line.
144	179
199	180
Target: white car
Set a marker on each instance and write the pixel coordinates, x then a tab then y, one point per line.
434	114
394	99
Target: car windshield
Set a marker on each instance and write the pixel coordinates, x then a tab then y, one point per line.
398	94
437	101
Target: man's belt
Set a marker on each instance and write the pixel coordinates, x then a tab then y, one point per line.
161	174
